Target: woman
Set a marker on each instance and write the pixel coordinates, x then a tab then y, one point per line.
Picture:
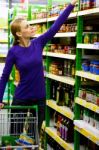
26	55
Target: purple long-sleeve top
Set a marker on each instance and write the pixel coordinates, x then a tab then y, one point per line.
28	61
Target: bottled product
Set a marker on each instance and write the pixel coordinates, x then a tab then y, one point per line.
65	67
58	125
71	98
60	95
65	128
66	95
70	131
73	70
53	89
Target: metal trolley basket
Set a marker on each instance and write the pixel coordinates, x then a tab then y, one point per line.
19	128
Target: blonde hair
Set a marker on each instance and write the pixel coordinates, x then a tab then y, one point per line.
15	27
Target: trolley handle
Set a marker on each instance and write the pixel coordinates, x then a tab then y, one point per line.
21	107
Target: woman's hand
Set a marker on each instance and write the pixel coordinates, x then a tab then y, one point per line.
73	2
1	105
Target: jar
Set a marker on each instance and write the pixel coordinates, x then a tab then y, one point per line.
67	28
89	96
82	93
94	38
96	67
86	66
66	49
53	47
91	66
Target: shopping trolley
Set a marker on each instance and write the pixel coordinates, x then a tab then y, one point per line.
19	128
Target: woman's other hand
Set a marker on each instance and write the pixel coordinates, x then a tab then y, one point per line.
1	105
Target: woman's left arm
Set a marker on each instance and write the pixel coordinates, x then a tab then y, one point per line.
44	38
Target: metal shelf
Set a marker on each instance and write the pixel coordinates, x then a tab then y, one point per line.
87	130
66	34
63	79
87	75
89	12
60	55
3	55
61	109
86	104
6	27
3	41
44	20
51	131
88	46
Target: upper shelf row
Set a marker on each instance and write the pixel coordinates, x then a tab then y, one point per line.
89	12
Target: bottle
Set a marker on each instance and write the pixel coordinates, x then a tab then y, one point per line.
66	95
65	129
58	125
60	95
53	89
70	131
65	67
71	99
73	70
69	68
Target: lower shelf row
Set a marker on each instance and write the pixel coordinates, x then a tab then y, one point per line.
81	127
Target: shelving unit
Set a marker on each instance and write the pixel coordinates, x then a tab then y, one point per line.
65	111
86	104
79	128
89	12
50	103
67	34
63	79
87	130
59	55
67	80
51	131
59	35
82	127
88	46
87	75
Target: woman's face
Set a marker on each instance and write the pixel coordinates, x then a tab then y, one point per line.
27	31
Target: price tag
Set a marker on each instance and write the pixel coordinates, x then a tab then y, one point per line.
97	111
96	45
97	142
